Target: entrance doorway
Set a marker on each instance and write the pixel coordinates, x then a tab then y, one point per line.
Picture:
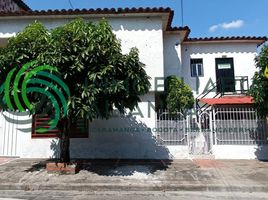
225	75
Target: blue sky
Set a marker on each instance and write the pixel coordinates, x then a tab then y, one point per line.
204	17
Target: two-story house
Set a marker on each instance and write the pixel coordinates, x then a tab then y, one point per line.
206	64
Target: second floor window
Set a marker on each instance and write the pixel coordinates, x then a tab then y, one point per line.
196	67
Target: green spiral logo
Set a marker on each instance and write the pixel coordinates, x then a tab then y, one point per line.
40	80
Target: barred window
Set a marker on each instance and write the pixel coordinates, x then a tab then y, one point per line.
79	128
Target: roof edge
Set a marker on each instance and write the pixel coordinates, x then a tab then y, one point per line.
258	40
97	11
89	11
22	5
175	29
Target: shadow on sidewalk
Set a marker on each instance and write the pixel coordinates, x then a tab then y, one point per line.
111	167
38	166
124	167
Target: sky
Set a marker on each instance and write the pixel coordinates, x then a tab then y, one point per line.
205	18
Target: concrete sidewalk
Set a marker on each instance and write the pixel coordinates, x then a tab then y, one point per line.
137	175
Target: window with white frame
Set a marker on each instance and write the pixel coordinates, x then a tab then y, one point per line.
197	67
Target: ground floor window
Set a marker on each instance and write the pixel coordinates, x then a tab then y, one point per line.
79	127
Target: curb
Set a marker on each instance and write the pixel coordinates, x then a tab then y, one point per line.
132	187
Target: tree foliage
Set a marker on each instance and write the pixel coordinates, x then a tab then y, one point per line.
25	47
89	59
99	76
259	87
179	96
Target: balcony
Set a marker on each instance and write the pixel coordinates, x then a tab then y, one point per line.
233	86
224	89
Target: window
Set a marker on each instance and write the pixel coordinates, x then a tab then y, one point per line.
79	128
196	67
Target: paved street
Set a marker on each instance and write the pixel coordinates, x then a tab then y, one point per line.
137	179
59	195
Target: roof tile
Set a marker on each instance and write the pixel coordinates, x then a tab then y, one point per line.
233	38
226	38
28	12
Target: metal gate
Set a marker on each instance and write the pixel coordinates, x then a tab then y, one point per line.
214	126
200	135
179	129
171	128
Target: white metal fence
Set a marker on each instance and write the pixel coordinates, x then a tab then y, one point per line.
218	126
171	128
13	127
8	134
240	126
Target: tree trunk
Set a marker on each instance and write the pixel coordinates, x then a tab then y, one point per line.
65	141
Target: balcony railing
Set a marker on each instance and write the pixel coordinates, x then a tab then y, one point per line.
230	86
224	86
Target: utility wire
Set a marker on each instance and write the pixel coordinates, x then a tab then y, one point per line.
182	13
70	2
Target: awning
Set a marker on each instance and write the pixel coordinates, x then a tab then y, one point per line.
228	100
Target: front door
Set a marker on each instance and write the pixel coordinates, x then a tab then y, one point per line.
225	75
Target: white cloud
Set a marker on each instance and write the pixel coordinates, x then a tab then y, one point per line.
234	24
213	28
226	26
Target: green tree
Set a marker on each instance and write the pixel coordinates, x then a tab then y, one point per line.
259	87
179	96
89	59
26	46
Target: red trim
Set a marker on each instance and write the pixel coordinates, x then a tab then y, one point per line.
236	100
41	121
40	136
35	122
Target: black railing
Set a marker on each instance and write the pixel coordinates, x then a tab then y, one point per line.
204	94
232	86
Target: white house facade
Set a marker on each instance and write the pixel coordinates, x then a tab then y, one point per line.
165	51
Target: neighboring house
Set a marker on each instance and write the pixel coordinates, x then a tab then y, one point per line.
165	51
13	5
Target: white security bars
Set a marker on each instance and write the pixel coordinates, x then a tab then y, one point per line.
216	126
